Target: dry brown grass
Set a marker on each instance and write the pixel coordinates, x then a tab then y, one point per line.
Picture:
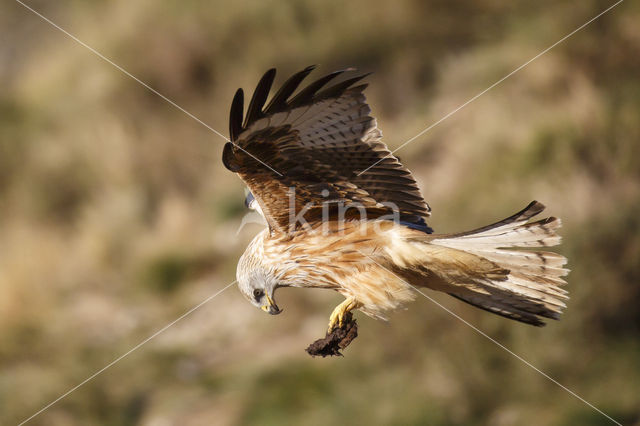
116	214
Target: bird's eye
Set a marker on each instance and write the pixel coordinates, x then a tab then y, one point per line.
257	294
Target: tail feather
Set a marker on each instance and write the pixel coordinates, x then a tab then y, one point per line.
517	234
530	288
538	283
534	260
500	308
533	263
519	218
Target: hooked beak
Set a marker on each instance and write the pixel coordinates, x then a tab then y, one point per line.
271	307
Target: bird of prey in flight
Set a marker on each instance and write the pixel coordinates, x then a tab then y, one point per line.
343	213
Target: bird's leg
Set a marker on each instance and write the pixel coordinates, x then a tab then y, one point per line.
337	316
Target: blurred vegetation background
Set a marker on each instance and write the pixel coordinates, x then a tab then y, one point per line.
117	216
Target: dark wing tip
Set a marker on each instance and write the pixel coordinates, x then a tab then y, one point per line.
306	95
339	88
281	101
254	112
235	115
310	93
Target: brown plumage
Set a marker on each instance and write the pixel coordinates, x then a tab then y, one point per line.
364	234
318	141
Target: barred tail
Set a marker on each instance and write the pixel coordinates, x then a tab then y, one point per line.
527	283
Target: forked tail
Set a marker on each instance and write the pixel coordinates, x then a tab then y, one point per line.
523	285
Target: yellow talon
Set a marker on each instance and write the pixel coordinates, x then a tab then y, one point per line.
336	320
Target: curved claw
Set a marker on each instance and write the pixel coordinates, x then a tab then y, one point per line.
336	320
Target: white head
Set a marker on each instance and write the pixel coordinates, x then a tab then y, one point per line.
256	281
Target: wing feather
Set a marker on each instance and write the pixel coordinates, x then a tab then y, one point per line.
235	116
320	139
306	95
279	101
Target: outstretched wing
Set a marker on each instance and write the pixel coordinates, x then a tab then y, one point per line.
300	153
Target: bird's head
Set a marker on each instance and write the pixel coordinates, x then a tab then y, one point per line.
257	283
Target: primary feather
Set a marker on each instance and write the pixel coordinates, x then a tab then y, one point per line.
318	141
